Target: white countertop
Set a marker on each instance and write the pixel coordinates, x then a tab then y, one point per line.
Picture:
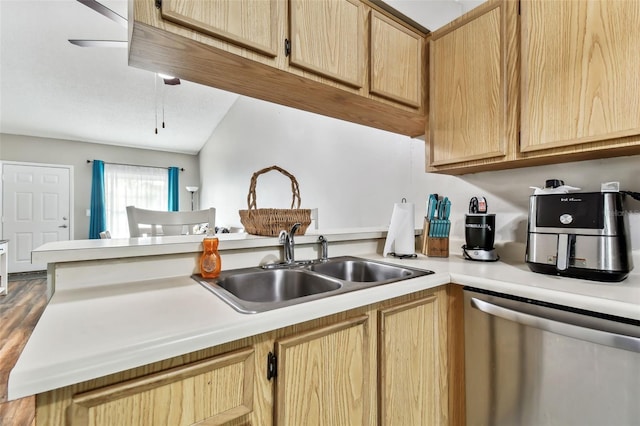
88	333
79	250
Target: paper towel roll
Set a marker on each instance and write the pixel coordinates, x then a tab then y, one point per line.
401	234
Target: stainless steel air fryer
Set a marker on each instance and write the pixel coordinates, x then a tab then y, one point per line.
579	235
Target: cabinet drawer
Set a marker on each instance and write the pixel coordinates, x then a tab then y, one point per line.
215	390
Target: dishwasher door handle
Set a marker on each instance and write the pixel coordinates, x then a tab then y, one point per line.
607	338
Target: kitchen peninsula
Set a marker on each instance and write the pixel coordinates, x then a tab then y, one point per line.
126	311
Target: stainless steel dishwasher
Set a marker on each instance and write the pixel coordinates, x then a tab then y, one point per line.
534	363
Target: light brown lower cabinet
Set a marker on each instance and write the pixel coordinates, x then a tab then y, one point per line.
409	346
212	391
324	376
384	364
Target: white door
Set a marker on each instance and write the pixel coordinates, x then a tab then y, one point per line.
36	207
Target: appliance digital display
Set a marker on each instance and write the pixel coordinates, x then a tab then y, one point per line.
577	210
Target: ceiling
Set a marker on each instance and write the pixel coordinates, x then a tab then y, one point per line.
51	88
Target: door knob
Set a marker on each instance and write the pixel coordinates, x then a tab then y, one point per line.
63	226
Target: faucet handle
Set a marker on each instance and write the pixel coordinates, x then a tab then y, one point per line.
282	236
324	246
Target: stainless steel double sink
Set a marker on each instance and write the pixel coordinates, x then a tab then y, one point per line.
253	290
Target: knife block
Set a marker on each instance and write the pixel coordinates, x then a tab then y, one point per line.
434	246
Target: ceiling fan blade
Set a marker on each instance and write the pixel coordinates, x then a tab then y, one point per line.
98	43
105	11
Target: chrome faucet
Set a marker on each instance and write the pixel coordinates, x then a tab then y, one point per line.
286	238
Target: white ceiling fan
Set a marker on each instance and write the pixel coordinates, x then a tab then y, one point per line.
104	11
122	21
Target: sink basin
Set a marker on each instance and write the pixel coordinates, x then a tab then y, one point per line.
276	285
252	290
362	271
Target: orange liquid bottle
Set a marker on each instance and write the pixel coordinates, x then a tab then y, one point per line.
210	264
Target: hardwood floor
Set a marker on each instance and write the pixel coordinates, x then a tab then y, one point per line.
19	313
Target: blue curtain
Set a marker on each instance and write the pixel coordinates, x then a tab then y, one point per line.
98	219
174	192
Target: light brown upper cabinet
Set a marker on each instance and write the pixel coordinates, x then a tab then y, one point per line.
308	54
580	72
469	119
535	82
396	61
327	38
245	23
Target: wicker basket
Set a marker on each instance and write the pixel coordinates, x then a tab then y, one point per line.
269	222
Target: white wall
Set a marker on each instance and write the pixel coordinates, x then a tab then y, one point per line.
353	174
57	151
511	188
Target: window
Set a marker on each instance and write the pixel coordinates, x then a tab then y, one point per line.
143	187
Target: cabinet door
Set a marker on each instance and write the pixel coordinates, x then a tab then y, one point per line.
214	391
246	23
396	61
323	376
327	38
410	348
468	89
580	70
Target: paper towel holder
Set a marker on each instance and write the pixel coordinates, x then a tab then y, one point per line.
404	256
401	236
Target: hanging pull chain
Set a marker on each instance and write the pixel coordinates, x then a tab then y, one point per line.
164	93
155	92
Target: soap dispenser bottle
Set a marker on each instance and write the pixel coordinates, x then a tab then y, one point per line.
210	264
